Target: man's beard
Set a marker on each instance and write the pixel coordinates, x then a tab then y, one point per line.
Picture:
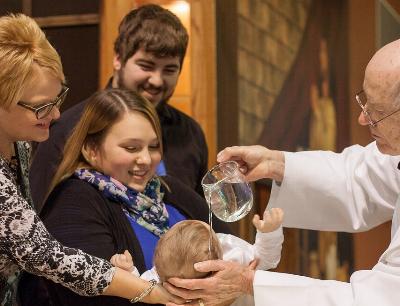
122	85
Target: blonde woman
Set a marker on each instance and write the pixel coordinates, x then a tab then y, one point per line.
31	91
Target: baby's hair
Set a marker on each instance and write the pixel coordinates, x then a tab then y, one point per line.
186	243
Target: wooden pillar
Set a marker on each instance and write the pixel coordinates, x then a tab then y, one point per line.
227	73
111	14
203	70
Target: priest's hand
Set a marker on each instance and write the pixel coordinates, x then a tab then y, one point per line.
256	162
228	281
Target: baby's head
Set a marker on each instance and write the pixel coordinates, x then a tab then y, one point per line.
186	243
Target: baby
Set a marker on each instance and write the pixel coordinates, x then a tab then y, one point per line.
187	242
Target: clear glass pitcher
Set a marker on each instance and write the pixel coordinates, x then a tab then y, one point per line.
230	198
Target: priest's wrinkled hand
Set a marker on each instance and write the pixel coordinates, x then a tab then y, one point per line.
228	281
256	162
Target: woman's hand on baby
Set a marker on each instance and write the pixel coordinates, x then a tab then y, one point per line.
123	261
272	220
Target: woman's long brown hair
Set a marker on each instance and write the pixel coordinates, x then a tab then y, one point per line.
102	111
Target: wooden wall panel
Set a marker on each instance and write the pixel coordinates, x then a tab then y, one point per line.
181	98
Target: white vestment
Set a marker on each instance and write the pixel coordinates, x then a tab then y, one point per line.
353	191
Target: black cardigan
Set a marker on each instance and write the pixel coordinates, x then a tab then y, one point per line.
79	216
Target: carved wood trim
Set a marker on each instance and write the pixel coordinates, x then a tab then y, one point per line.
67	20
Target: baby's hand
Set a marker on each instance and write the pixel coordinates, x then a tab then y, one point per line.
272	219
123	261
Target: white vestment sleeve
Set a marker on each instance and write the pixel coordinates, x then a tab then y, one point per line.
352	191
279	289
379	286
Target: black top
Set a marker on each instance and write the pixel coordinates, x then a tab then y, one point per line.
185	149
79	216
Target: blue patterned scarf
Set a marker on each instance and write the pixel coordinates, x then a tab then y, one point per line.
147	207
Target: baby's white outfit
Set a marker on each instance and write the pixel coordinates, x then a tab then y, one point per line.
267	249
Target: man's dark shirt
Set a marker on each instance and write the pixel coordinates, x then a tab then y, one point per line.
185	150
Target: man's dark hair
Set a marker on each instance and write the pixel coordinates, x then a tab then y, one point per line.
153	28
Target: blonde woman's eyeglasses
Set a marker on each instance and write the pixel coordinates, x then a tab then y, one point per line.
43	110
